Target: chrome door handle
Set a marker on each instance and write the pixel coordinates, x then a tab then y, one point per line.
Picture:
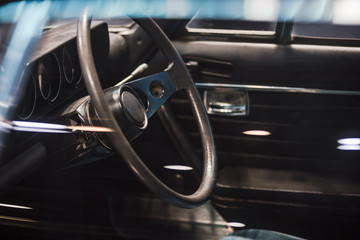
226	102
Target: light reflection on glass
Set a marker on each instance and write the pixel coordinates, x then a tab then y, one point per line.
17	219
5	126
3	104
261	10
346	12
41	130
338	11
236	224
14	206
89	128
25	126
349	141
178	167
38	125
349	144
353	147
257	133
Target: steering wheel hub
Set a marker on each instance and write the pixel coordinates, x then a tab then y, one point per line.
134	109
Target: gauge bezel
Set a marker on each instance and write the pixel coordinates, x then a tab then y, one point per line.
41	80
75	65
65	53
21	82
52	68
59	78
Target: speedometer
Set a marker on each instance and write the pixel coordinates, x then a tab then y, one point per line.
44	81
71	66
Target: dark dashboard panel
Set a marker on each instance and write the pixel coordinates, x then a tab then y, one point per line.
53	82
53	71
54	38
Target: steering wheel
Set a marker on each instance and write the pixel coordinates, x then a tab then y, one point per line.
175	77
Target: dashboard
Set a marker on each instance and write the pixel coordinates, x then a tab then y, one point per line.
53	74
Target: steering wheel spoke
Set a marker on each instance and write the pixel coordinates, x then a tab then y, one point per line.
155	91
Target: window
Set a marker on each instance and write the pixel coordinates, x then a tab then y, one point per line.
231	26
326	30
124	22
254	17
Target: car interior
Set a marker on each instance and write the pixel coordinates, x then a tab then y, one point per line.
186	122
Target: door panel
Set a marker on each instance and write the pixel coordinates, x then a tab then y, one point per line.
298	169
295	65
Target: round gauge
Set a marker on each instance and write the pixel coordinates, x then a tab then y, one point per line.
49	77
27	103
70	64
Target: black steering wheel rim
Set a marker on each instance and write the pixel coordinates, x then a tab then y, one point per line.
182	80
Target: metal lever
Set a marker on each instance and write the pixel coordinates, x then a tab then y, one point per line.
137	71
226	102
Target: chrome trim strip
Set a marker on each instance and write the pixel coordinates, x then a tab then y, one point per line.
264	88
230	31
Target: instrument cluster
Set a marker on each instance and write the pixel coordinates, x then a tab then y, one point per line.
48	80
